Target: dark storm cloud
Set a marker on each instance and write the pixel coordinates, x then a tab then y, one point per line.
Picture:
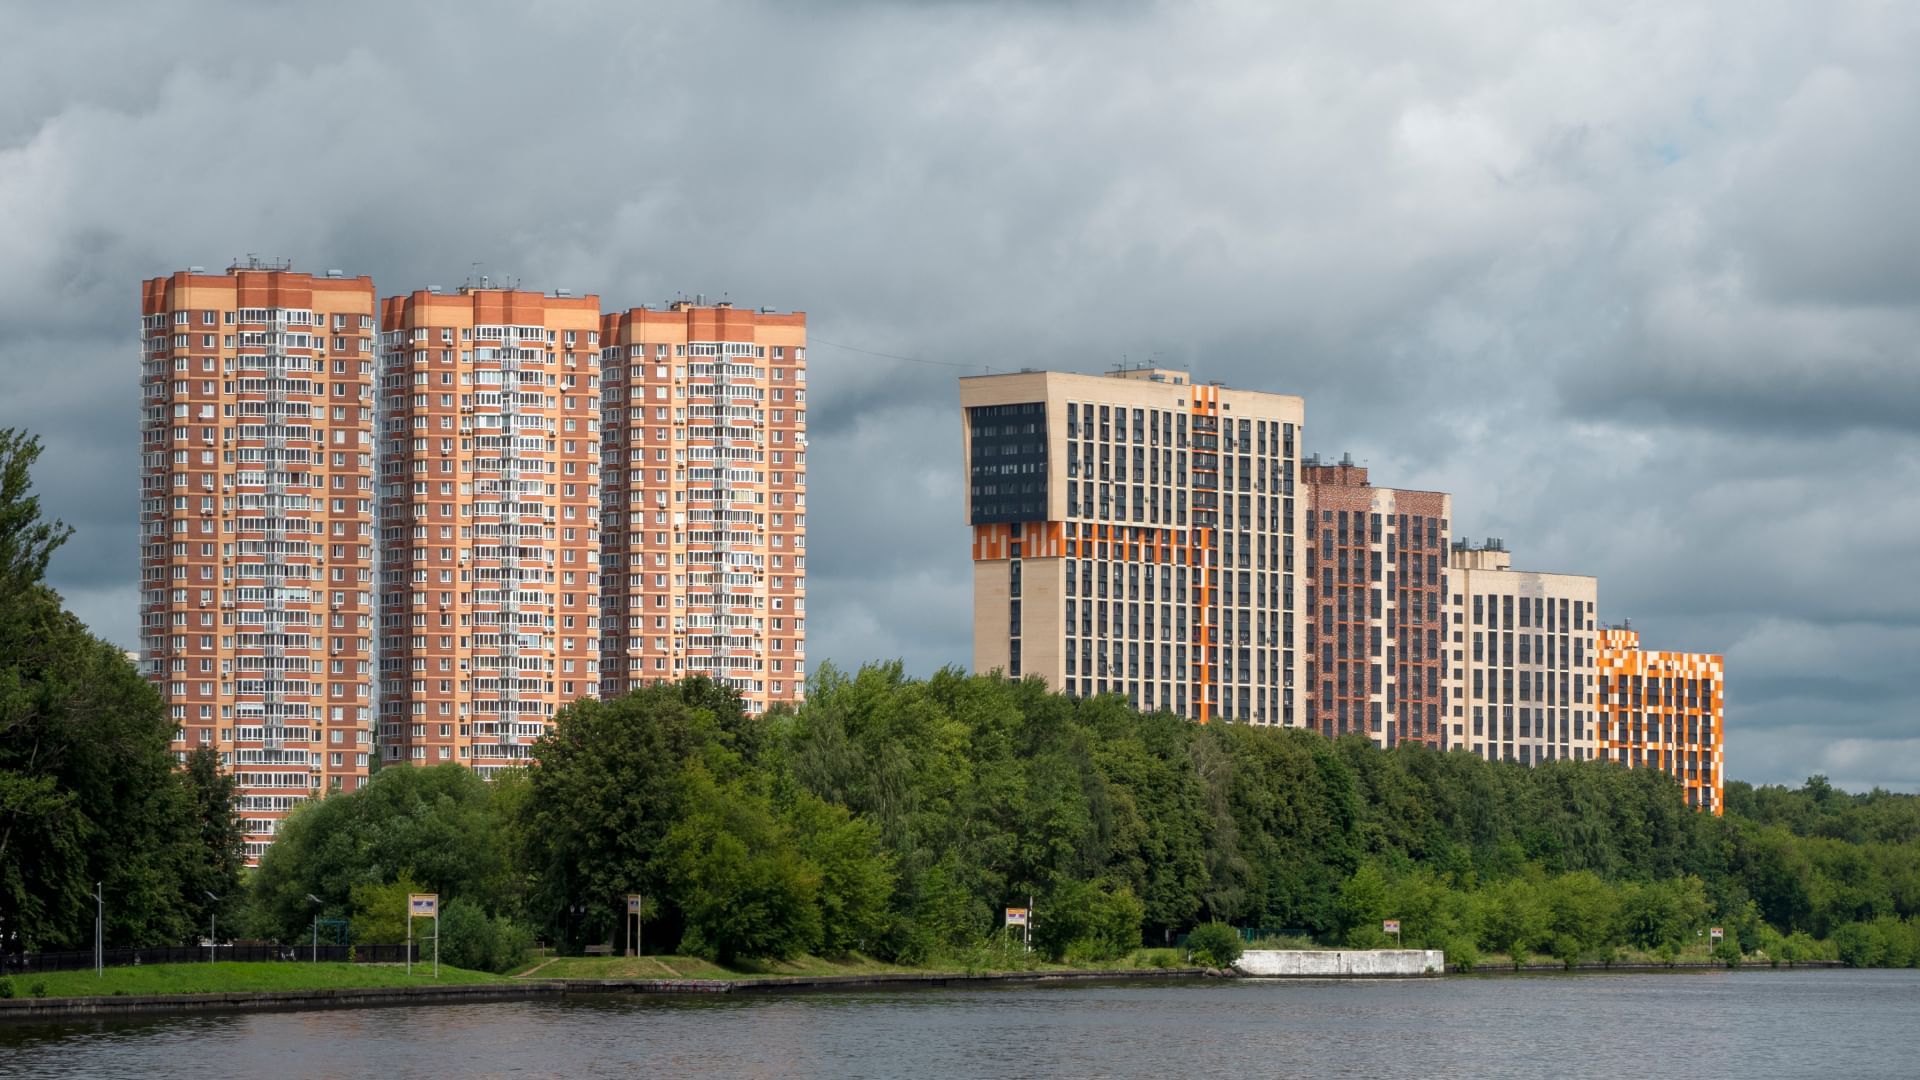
1639	288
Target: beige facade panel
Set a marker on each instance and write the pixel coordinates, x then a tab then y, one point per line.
1136	533
1524	643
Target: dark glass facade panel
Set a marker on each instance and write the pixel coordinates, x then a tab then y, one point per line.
1008	472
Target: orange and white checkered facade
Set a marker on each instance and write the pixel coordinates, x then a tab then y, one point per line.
1664	710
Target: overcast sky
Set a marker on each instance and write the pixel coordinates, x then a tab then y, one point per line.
1638	283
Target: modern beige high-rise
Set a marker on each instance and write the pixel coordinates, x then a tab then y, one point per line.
1136	533
490	502
1377	618
1524	646
704	523
256	526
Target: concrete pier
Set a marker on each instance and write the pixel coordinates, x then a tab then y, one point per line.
1341	964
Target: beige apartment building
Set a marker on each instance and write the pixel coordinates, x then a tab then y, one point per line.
704	522
489	520
256	525
1136	533
1524	645
1377	613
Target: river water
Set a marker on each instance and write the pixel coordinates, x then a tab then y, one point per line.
1746	1024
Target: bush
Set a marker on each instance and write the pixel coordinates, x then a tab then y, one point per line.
1462	952
6	987
380	911
1214	944
38	989
1860	945
469	939
1727	953
1088	922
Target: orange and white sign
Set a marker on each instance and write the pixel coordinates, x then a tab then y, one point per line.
1717	933
633	903
1390	926
1016	916
423	905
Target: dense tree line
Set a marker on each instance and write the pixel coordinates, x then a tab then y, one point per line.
897	817
89	789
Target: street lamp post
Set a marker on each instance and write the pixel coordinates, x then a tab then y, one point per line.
317	902
99	929
213	920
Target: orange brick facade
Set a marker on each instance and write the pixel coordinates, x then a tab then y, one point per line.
256	526
1377	631
1664	710
704	527
490	500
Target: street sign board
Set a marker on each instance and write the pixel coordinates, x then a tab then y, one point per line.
1717	933
633	903
1016	916
1390	926
423	905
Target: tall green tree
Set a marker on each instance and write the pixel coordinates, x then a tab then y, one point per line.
440	827
89	792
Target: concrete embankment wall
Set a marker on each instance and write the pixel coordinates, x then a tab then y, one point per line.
1342	964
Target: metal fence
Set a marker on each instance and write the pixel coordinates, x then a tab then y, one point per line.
80	960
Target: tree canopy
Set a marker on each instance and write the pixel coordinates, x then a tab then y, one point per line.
89	788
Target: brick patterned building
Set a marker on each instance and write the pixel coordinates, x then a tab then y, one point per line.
490	502
256	525
1664	710
1135	533
704	527
1376	658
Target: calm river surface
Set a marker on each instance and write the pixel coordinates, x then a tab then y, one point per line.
1749	1024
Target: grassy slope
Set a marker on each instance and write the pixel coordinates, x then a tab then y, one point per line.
689	967
235	977
229	977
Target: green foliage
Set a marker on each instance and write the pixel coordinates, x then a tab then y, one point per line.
6	987
1462	952
471	939
380	911
856	875
1088	922
1214	944
89	791
739	882
1514	919
609	787
443	827
38	988
1663	913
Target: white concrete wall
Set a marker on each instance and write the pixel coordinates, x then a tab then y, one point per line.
1356	963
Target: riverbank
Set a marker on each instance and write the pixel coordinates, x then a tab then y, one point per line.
499	988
